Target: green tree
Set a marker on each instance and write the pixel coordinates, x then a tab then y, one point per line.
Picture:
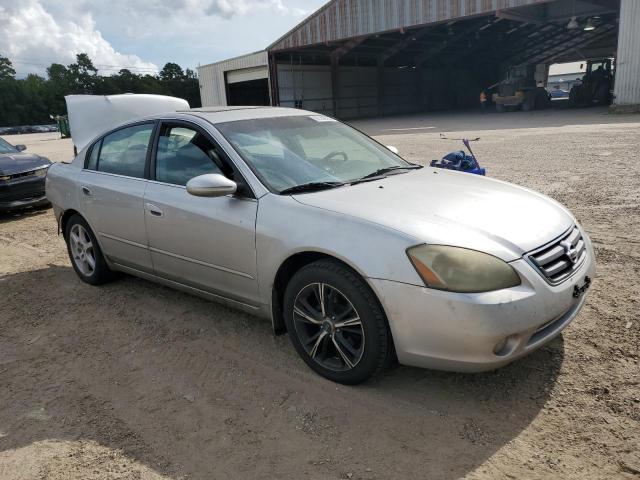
171	72
30	100
6	68
83	74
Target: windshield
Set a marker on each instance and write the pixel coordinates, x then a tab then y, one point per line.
287	152
6	147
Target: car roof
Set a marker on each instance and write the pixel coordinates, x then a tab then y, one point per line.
232	114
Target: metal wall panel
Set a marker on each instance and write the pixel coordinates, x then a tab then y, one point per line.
212	76
627	87
359	93
343	19
305	86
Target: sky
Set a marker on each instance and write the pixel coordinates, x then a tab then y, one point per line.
141	35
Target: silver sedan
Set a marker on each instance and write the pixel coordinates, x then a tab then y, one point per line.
361	257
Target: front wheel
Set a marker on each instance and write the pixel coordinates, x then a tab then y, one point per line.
335	323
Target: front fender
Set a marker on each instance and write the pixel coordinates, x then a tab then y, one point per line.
285	227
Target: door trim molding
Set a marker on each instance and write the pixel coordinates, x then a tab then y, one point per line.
122	240
200	262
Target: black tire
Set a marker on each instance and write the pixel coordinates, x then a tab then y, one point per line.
376	349
101	272
574	97
603	95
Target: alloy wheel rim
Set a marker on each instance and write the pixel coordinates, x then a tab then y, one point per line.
328	327
82	250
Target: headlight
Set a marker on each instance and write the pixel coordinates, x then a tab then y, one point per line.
461	270
42	172
5	178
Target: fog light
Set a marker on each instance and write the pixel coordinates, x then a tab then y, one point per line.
500	346
506	346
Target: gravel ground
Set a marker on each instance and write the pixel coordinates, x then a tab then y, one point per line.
134	380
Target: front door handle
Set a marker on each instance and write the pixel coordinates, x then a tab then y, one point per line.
86	191
153	210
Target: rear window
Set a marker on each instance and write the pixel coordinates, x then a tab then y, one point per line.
92	161
123	152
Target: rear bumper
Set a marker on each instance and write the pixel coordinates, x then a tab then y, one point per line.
478	332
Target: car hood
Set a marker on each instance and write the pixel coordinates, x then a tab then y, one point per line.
451	208
12	163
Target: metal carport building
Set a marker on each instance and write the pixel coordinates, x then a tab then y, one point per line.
359	58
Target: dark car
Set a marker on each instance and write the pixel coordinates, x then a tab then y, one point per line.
21	177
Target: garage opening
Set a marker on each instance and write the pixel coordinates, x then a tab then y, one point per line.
252	92
248	86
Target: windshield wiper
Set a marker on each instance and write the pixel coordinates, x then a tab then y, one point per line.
382	171
311	187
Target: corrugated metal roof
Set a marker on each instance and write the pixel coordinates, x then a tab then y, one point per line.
344	19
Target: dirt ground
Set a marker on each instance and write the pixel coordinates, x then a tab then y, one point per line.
133	380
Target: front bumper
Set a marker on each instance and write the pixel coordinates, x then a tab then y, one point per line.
483	331
22	193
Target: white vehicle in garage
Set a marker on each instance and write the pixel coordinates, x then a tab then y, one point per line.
357	253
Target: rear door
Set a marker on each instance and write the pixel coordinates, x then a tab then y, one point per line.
112	186
206	243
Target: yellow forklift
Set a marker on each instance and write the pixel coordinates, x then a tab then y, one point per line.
519	91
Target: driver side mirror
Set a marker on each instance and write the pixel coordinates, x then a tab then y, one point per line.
393	149
211	185
21	148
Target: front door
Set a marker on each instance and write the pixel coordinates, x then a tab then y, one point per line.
206	243
112	190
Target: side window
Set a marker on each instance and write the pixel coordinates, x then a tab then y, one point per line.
92	161
184	153
124	152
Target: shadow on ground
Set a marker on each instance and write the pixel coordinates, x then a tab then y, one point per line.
15	215
190	388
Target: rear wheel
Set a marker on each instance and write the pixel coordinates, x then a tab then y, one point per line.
336	324
574	96
84	252
603	95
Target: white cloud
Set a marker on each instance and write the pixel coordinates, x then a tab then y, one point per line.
229	8
143	34
33	39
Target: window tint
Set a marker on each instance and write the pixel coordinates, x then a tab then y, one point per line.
184	153
92	161
125	152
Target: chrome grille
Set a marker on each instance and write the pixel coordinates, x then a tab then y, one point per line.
558	260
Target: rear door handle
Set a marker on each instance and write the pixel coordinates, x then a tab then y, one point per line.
86	191
153	210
